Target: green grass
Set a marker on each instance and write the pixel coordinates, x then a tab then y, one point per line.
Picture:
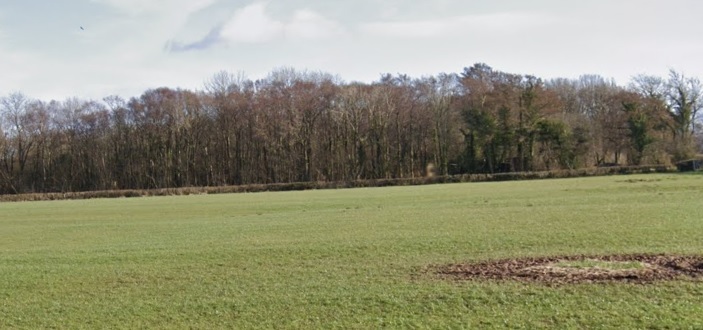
347	258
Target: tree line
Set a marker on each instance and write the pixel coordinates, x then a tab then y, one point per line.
294	126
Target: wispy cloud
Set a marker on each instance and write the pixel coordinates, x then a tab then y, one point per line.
211	39
252	24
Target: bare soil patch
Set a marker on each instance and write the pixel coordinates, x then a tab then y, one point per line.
580	269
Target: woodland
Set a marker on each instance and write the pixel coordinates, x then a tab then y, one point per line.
300	126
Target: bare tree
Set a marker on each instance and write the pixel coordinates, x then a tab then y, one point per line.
224	83
310	126
685	99
17	119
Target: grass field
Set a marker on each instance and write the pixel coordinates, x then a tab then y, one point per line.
347	258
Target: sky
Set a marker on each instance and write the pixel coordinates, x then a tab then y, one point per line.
96	48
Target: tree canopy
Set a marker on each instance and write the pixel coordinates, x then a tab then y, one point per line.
307	126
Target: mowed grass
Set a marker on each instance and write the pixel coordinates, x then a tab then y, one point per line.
347	258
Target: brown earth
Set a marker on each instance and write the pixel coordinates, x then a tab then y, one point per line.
552	270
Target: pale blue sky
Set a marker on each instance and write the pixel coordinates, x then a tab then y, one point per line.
129	46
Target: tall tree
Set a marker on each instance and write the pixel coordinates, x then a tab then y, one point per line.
18	121
685	99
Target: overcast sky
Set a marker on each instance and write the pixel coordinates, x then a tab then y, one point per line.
129	46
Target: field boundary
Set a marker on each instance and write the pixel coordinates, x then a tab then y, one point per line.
297	186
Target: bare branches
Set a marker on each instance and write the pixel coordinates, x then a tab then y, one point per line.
296	126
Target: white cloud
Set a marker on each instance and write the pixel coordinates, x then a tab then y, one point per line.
251	24
122	52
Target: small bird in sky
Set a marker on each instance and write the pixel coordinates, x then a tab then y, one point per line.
82	28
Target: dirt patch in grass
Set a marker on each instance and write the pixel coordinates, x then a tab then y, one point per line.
580	269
